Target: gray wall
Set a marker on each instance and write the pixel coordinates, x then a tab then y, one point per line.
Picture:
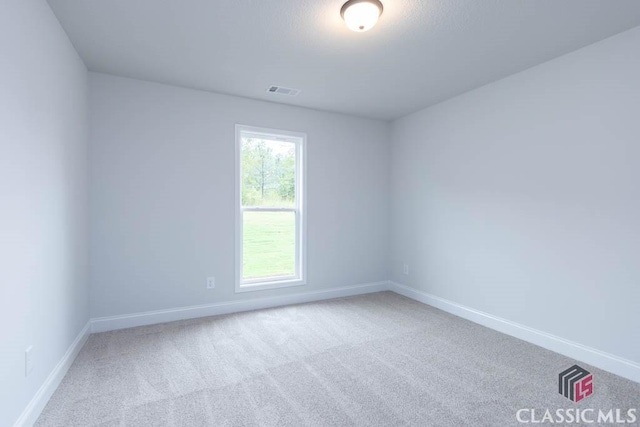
43	193
162	195
522	198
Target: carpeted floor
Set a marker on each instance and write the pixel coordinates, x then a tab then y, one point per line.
378	359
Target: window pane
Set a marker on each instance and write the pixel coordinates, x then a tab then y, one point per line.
268	246
268	173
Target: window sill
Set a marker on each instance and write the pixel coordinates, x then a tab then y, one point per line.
261	286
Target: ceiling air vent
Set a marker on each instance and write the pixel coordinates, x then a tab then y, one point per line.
283	90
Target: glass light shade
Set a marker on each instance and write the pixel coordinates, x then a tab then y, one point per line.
361	16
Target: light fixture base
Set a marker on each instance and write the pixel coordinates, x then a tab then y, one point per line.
352	2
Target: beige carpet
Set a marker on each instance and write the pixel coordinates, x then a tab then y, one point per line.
378	359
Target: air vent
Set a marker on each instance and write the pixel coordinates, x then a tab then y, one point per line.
283	90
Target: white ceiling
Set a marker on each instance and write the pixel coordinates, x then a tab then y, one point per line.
421	52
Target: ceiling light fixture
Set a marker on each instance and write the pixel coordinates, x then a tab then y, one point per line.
361	15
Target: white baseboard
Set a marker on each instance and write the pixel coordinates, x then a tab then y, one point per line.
597	358
39	401
103	324
605	361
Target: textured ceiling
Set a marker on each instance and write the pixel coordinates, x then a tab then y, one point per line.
421	52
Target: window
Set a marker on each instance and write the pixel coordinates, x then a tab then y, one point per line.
270	219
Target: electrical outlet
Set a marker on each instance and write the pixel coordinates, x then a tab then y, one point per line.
405	269
28	361
211	282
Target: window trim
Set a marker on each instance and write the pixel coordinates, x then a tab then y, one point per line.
300	139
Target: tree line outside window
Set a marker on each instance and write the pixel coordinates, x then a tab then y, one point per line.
268	173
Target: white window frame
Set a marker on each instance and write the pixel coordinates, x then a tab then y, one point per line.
299	209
